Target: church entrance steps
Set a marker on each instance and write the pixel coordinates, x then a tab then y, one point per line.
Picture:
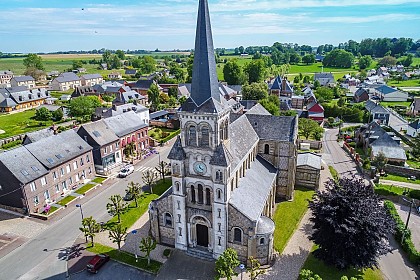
200	254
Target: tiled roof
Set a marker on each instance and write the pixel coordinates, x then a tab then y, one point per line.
91	76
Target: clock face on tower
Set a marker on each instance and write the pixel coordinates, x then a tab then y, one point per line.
200	167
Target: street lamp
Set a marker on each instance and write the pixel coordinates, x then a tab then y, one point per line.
81	213
241	267
408	218
135	252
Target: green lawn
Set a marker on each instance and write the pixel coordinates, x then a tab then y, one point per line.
288	215
317	67
66	200
125	257
329	272
19	123
408	83
52	210
386	190
334	173
393	104
398	178
413	163
133	213
99	180
85	188
163	134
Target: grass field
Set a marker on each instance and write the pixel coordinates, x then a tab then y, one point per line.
398	178
389	104
19	123
408	83
288	215
328	272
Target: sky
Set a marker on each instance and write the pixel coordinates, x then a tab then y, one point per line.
60	25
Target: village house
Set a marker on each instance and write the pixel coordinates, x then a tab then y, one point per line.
382	72
5	78
66	81
130	72
308	170
36	175
129	97
107	154
324	79
315	112
23	81
387	93
282	88
91	79
114	76
227	169
143	86
361	95
415	107
413	128
85	91
377	113
20	98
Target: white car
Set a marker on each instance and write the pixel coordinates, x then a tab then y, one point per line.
126	170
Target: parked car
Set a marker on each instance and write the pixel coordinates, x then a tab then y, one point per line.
126	170
97	262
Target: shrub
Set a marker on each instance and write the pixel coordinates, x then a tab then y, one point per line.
414	194
11	144
306	274
166	252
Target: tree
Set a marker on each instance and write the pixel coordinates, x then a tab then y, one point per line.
153	94
308	59
34	73
256	71
149	177
255	91
306	80
306	274
148	64
163	98
172	102
226	264
116	207
416	147
325	93
118	234
254	268
296	80
387	61
34	61
115	62
43	114
173	92
407	61
317	84
341	102
351	227
90	228
338	58
162	169
57	115
84	106
307	127
120	54
233	73
380	161
106	57
272	104
365	61
147	245
77	64
135	190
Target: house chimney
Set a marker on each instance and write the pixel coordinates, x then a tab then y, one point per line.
283	84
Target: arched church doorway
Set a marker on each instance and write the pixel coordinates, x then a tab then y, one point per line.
202	235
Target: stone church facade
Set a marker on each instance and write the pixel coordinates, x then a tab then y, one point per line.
227	169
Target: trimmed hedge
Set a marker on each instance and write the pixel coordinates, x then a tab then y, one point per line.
407	243
414	194
11	144
172	135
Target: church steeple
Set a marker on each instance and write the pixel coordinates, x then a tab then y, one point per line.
204	79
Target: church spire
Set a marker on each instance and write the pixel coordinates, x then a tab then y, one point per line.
204	79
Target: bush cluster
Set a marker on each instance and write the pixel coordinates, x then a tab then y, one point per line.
11	144
407	243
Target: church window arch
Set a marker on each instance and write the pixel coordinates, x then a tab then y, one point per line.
168	219
176	169
193	194
226	130
177	187
205	136
262	241
266	149
237	235
192	136
219	194
200	194
219	176
208	196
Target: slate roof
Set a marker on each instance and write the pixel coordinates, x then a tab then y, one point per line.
67	77
388	146
204	84
91	76
221	156
416	104
360	92
129	107
130	72
125	124
27	95
276	84
158	114
250	198
273	127
265	226
130	95
210	106
177	152
8	103
23	78
58	149
258	109
415	124
23	165
100	133
143	84
35	136
374	107
309	159
242	139
318	76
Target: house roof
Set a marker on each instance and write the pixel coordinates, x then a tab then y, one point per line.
125	123
23	78
276	84
270	127
158	114
29	95
251	196
91	76
143	84
388	146
8	103
386	89
416	104
314	103
130	71
415	124
360	92
374	107
23	165
67	77
258	109
309	159
35	136
58	149
100	133
324	75
129	107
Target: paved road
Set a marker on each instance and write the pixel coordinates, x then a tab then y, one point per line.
400	184
44	256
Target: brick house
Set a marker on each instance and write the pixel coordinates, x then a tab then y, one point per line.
23	81
37	174
361	95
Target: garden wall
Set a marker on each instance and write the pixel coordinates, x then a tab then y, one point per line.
315	145
402	171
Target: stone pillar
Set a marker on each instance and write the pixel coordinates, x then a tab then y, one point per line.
196	194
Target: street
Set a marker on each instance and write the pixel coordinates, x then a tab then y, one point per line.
44	256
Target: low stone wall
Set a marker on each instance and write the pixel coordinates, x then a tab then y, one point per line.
11	139
315	145
13	209
402	171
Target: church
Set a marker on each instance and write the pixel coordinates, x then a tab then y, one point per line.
228	168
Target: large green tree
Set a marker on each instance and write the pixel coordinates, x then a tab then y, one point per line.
83	106
233	73
256	71
90	228
338	58
351	226
148	64
387	61
34	61
120	54
43	114
255	91
153	94
308	59
116	206
308	127
365	61
226	264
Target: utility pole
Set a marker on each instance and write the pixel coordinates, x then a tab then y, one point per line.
408	218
